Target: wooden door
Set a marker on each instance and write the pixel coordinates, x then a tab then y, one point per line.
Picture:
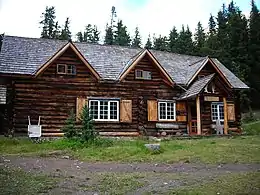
192	118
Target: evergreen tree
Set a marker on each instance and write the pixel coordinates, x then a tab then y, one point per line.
88	132
109	37
184	41
173	36
88	34
79	37
137	39
160	43
211	38
200	38
56	32
65	32
149	44
121	36
69	128
48	23
254	57
95	35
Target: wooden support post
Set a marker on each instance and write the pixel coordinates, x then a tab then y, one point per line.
198	115
225	116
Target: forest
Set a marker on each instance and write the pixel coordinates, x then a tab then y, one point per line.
230	36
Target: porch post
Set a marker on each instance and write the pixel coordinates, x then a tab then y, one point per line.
225	116
198	115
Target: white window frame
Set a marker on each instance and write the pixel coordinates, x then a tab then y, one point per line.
66	69
174	110
218	111
108	115
143	72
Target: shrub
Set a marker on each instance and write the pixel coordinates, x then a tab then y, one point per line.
69	128
87	130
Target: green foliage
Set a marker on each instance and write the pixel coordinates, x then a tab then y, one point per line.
121	36
184	43
160	43
69	128
149	43
136	42
87	130
173	36
200	38
65	32
90	35
109	36
49	27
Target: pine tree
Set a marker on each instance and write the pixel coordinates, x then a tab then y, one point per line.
109	37
56	32
69	128
88	34
184	43
65	32
149	44
137	39
87	130
48	23
200	38
121	36
173	36
211	38
160	43
79	37
95	35
254	57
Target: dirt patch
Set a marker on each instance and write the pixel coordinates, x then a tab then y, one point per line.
78	177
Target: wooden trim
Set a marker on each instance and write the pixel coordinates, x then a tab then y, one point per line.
123	75
59	53
216	68
198	115
225	116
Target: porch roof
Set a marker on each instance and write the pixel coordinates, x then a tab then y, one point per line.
196	87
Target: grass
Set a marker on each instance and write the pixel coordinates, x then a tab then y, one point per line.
206	150
242	183
252	128
15	181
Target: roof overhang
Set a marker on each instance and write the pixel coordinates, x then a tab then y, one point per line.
208	60
154	60
59	53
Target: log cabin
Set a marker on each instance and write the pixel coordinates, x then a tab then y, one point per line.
129	91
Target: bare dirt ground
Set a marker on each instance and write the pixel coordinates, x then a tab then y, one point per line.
76	177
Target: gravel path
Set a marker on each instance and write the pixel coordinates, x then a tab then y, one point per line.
75	172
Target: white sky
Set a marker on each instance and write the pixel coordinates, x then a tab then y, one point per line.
22	17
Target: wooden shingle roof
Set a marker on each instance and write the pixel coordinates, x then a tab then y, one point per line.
20	55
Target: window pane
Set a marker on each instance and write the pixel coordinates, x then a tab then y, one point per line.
221	112
113	110
61	68
94	109
71	69
162	110
103	109
217	111
170	110
138	74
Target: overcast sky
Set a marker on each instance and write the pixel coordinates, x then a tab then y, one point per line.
22	17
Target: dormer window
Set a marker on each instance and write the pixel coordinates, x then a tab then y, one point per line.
66	69
142	74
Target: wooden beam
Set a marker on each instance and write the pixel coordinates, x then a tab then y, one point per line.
198	115
225	116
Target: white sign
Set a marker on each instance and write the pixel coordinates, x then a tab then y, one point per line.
34	130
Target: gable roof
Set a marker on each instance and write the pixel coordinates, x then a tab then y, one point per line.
60	52
21	55
197	87
139	57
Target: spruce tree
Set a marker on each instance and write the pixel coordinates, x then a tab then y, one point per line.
69	128
109	36
254	57
88	34
160	43
200	38
95	35
184	42
121	36
149	44
65	32
173	36
136	42
211	38
79	36
48	23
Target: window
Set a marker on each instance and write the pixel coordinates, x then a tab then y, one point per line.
142	74
217	111
104	110
66	69
166	110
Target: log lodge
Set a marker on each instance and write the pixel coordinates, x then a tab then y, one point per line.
129	91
